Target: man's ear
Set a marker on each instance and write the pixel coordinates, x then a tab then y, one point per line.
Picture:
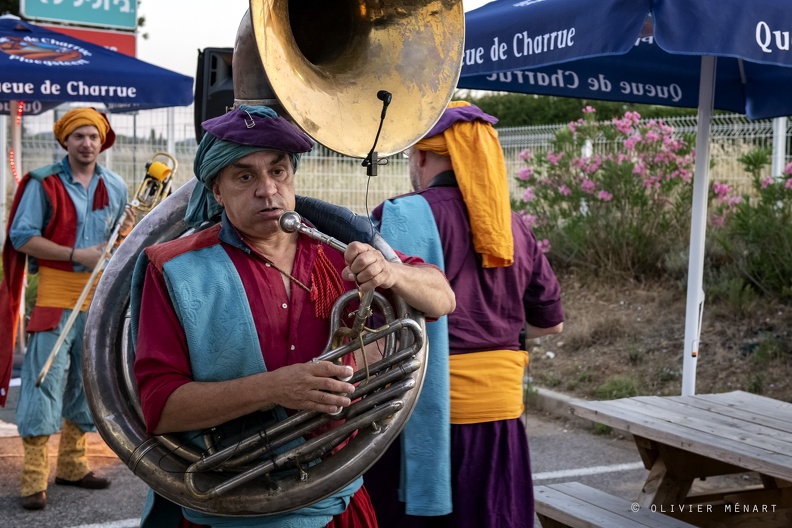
216	192
421	157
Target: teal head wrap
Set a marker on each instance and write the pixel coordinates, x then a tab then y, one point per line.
229	138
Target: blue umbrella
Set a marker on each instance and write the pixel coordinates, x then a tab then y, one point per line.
37	64
728	54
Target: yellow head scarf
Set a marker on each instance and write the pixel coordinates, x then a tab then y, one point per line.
74	119
477	160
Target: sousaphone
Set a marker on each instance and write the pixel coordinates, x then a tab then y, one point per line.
321	63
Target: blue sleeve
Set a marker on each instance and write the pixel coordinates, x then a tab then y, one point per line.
31	215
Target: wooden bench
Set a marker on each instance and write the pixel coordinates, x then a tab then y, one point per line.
575	505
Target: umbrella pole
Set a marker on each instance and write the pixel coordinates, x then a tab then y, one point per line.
698	226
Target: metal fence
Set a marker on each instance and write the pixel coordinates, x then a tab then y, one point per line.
338	179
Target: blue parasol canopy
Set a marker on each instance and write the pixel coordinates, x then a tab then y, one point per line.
37	64
728	54
637	51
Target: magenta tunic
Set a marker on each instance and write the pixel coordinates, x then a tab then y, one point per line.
490	462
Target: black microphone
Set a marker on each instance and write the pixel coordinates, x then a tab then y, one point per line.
384	96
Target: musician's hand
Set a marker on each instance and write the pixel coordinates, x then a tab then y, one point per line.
89	256
311	386
128	221
367	267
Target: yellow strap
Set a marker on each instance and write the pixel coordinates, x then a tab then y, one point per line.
61	289
487	386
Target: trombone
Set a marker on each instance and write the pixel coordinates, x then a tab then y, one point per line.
154	187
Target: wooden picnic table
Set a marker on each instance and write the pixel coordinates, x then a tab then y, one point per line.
684	438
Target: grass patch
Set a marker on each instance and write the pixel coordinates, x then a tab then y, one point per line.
618	387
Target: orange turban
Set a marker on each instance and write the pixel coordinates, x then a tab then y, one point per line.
466	134
79	117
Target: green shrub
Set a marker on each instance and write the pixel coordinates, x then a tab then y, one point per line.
618	387
756	230
612	197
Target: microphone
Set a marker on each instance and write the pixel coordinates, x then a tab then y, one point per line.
372	160
384	96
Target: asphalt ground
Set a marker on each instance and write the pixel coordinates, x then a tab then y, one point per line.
563	448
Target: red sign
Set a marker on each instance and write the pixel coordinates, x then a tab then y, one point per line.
122	42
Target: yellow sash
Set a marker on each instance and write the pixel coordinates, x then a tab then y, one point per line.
61	289
487	386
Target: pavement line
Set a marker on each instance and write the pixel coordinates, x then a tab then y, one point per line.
126	523
579	472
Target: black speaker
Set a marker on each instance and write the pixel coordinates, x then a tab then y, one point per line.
214	86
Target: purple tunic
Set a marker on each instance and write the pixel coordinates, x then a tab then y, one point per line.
490	463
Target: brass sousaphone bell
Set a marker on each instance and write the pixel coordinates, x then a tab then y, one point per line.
320	63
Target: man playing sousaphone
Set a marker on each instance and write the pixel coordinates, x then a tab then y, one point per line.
230	318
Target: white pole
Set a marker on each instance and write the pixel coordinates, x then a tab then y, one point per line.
698	226
172	131
779	145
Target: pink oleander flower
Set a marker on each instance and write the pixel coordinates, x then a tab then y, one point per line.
529	219
788	184
592	167
566	191
589	110
526	155
721	190
640	169
718	220
630	142
633	116
624	126
651	136
529	195
767	182
605	196
652	182
544	245
588	186
788	169
553	158
683	174
734	200
525	174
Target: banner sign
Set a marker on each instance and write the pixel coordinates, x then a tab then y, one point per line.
120	14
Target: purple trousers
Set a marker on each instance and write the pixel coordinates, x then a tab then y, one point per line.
491	481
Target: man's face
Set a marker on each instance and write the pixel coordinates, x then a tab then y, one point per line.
255	191
84	145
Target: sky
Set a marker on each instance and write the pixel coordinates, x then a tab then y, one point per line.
178	29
